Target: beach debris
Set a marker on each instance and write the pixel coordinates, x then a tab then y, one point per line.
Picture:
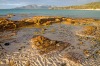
45	45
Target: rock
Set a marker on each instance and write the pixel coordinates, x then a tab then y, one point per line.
11	63
10	15
81	43
78	21
7	44
57	20
86	53
10	26
6	24
45	45
87	31
27	64
42	20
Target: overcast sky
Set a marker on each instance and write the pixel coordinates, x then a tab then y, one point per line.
17	3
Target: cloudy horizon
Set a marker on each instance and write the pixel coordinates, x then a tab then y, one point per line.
6	4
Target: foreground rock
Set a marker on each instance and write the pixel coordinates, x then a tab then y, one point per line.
6	24
45	45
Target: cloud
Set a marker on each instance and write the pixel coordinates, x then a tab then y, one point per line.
11	4
15	3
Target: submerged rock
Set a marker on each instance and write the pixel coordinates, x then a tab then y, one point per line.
79	21
75	59
45	45
87	31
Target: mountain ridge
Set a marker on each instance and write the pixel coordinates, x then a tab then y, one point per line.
34	6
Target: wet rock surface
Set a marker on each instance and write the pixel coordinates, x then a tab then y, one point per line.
90	31
53	45
43	20
45	45
6	24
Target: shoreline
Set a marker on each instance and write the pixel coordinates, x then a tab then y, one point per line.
85	9
76	9
17	17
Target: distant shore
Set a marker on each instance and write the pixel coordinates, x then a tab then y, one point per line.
84	9
75	9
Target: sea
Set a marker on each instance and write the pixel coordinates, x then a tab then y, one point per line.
48	12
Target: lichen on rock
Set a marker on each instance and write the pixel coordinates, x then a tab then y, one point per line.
45	45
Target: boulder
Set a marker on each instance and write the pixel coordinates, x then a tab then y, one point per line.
45	45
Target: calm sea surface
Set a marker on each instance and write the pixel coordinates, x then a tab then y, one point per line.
65	13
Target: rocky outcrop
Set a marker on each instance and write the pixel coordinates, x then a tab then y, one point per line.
45	45
6	24
79	21
42	20
88	30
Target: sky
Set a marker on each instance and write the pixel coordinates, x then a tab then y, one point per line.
6	4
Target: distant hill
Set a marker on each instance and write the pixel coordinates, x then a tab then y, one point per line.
93	5
34	7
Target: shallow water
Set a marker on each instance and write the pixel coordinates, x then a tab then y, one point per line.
47	12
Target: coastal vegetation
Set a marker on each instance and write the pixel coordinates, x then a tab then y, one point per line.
93	5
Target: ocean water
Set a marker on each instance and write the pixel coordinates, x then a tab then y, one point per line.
47	12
